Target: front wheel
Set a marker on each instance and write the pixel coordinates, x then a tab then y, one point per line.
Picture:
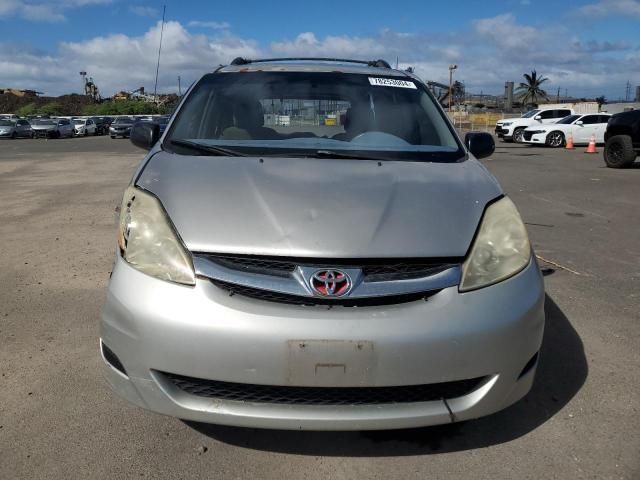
555	140
518	135
618	152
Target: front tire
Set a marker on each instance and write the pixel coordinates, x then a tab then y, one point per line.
618	152
518	135
555	140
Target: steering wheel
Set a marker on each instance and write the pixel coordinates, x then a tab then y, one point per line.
379	139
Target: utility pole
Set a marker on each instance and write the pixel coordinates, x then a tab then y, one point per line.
179	89
627	95
558	96
84	82
451	69
155	89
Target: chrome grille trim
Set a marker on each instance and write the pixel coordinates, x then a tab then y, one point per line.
296	283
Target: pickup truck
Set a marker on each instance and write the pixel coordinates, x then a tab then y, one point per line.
622	139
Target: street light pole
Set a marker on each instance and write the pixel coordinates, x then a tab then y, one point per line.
451	69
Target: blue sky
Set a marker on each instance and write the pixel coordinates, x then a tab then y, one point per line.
589	47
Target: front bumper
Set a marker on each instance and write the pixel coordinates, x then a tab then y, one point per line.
537	138
154	326
120	132
44	133
503	132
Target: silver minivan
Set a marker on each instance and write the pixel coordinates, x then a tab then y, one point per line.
309	245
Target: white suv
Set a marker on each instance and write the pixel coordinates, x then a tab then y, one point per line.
513	128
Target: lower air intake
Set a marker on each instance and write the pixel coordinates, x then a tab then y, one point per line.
287	395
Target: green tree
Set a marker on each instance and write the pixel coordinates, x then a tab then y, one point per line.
29	109
530	92
51	108
125	107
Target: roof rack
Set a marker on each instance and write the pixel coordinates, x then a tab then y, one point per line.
370	63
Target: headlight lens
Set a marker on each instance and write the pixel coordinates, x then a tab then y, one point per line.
506	124
148	241
501	248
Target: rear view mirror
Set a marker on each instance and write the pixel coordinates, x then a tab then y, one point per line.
579	122
480	144
145	135
537	117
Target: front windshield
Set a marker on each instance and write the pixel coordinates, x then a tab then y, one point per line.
79	121
123	120
303	113
6	123
569	119
530	113
43	122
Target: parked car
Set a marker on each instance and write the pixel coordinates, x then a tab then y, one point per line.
15	128
512	129
102	124
9	116
364	275
84	126
162	121
51	128
622	139
121	127
580	127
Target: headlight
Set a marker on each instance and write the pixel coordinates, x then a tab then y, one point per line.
501	248
506	124
148	241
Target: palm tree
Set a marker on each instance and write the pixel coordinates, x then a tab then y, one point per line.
530	91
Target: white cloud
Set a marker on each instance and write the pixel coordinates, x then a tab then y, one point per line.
489	53
43	11
612	7
210	24
143	11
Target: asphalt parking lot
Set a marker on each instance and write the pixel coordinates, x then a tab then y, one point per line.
58	418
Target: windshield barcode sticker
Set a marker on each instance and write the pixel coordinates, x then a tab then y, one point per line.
391	82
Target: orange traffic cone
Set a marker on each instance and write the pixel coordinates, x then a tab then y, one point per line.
592	145
569	142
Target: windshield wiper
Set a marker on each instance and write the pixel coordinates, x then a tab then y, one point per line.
209	149
334	154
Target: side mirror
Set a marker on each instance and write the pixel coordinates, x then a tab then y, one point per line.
480	144
579	122
537	117
145	135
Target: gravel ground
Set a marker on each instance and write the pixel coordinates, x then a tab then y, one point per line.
58	418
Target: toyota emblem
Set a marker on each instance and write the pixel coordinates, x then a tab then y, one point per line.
330	283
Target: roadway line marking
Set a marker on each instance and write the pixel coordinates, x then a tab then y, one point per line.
561	266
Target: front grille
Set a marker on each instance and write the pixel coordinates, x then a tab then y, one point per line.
243	392
262	265
374	270
528	135
266	295
402	271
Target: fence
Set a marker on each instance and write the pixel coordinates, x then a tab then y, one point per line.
485	121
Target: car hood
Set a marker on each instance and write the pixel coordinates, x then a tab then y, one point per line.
321	207
43	127
122	125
